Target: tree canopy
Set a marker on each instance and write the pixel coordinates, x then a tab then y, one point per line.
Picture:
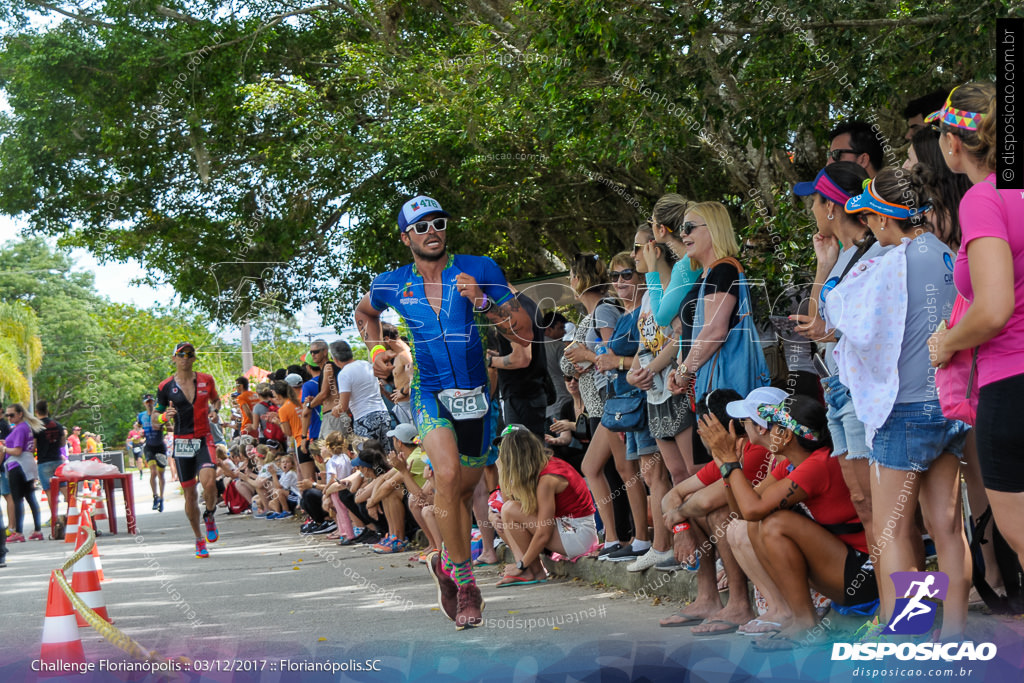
94	359
254	154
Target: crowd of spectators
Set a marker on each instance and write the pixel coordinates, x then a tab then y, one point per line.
653	431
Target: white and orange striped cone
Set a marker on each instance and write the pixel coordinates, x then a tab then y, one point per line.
95	552
85	581
61	642
100	514
71	529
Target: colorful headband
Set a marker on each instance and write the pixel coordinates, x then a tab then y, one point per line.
870	200
777	414
957	118
825	185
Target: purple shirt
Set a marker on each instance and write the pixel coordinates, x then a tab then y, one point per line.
21	437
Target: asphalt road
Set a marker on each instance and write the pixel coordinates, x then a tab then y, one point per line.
272	606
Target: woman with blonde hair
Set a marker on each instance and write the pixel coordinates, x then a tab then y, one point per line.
547	506
724	349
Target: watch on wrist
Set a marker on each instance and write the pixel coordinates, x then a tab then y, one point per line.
683	369
520	566
727	468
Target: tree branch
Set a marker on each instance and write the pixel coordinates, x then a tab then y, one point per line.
839	23
77	17
271	22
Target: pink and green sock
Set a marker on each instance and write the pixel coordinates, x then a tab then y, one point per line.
460	572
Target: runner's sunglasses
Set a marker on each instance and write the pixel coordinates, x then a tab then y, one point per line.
421	228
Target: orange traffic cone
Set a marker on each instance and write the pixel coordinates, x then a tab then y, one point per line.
85	581
71	530
95	552
100	514
61	642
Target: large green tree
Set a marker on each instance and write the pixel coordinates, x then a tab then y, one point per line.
222	143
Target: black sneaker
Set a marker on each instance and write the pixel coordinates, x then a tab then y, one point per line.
327	527
369	537
625	554
605	552
156	502
308	527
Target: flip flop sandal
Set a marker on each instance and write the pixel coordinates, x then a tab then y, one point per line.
732	628
518	581
688	620
784	643
763	622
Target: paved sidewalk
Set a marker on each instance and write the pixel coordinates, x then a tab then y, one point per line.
270	599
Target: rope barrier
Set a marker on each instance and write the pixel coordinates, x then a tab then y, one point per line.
110	633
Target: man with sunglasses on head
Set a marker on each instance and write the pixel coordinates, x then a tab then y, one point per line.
186	398
438	296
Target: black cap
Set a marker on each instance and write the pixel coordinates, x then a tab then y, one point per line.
183	345
147	397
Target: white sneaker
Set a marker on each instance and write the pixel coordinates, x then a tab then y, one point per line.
648	560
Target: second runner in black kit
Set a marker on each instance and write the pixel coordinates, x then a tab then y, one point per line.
186	398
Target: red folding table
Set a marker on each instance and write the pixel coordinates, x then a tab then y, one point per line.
108	489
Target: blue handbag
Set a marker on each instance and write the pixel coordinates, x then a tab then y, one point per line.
739	362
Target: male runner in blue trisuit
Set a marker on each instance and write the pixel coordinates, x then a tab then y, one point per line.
438	295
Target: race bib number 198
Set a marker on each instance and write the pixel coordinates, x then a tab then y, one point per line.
186	448
465	404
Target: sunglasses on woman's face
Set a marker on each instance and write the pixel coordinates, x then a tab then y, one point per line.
625	274
689	227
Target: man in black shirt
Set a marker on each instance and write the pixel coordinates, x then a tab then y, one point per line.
49	443
523	375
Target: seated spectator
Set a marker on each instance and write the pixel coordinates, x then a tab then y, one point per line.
238	494
390	493
547	507
697	511
284	495
266	455
799	520
410	463
367	465
322	503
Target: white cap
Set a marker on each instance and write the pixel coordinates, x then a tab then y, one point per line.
747	408
293	380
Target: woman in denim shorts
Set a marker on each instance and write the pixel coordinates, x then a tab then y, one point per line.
831	189
886	309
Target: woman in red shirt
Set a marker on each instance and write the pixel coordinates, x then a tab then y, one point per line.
804	529
547	506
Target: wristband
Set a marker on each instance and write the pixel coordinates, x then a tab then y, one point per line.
622	364
375	350
485	307
682	526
